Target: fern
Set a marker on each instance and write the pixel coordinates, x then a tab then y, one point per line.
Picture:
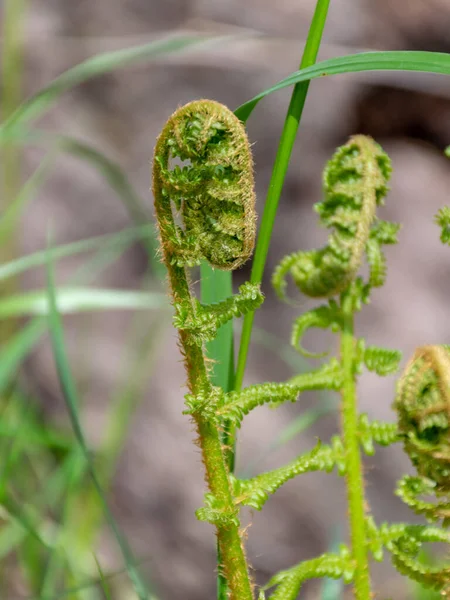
205	212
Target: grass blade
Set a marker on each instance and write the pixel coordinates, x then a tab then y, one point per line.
215	286
392	60
17	349
78	299
118	180
103	581
279	171
100	64
70	395
37	259
11	215
109	169
13	46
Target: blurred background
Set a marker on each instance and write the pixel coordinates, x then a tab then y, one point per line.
126	363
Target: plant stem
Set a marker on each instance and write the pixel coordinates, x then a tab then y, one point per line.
216	286
12	71
283	156
354	475
234	563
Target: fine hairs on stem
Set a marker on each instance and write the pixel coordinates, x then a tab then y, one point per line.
205	211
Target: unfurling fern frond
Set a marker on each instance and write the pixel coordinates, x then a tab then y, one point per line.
235	405
382	361
238	404
355	182
405	550
381	433
423	406
410	488
217	512
289	582
203	321
323	317
213	192
443	220
256	491
205	211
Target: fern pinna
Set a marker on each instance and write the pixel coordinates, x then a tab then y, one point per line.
205	211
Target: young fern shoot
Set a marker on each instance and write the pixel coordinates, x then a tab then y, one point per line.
205	211
214	196
355	184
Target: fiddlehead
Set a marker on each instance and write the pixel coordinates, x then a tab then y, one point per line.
205	211
355	183
213	191
423	407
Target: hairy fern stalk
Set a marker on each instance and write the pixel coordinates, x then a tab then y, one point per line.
204	201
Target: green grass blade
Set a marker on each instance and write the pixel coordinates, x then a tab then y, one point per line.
100	64
78	299
38	259
279	171
118	180
17	349
13	534
215	286
55	560
8	220
392	60
84	586
70	395
13	68
145	346
109	170
103	580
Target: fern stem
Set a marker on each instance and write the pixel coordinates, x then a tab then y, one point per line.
214	196
216	286
354	475
280	168
234	563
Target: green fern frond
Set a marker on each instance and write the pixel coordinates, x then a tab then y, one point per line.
443	220
283	268
381	433
409	488
355	183
404	542
289	582
217	512
204	405
423	406
256	491
323	317
404	553
327	377
377	263
213	191
382	361
381	233
207	319
238	404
